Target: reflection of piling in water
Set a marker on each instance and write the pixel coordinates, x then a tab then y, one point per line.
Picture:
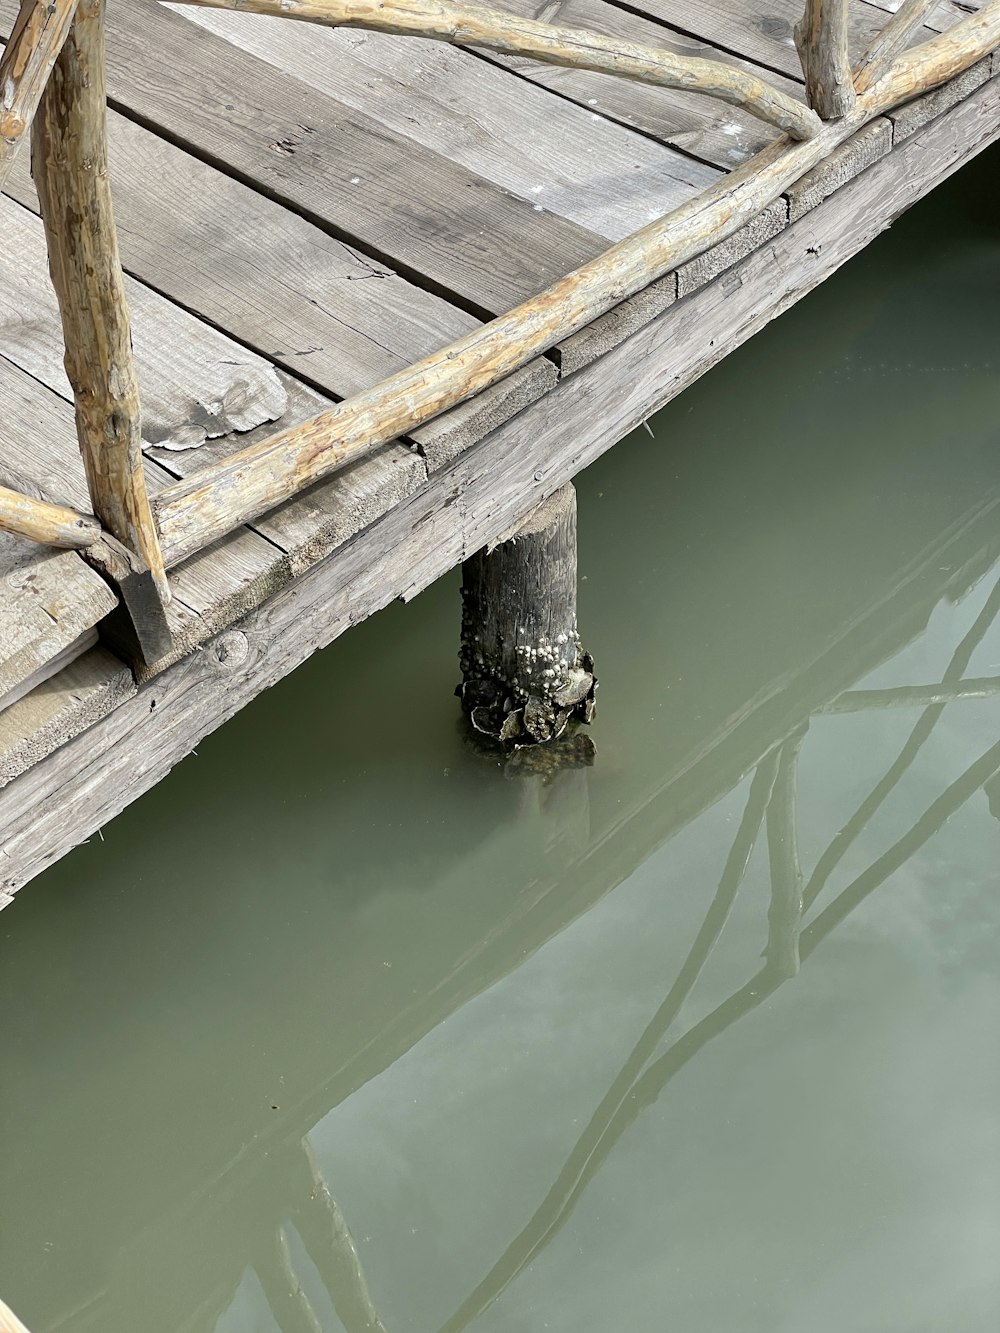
524	672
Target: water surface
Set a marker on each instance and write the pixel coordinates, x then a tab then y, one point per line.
343	1026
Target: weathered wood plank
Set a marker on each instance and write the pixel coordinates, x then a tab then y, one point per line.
861	150
195	382
548	151
722	136
574	48
48	601
768	39
60	708
210	590
389	196
204	507
463	508
909	117
284	287
701	270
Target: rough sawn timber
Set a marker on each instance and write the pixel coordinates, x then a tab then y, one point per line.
463	507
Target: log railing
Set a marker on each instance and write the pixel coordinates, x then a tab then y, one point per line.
54	63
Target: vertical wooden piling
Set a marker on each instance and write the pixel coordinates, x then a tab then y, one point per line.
70	167
821	39
524	671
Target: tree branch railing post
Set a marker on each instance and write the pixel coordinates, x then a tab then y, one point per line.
821	41
26	61
70	167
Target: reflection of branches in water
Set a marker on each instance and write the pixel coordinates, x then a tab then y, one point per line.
925	725
913	696
289	1303
560	1198
326	1236
784	918
624	1102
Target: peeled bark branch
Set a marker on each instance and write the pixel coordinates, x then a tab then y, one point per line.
70	166
821	39
26	62
212	501
49	524
891	40
471	25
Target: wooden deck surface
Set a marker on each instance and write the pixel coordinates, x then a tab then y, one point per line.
304	211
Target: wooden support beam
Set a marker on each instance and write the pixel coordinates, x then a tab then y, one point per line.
26	62
577	48
821	40
70	166
49	524
889	42
524	671
211	501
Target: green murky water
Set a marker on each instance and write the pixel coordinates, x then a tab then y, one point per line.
341	1025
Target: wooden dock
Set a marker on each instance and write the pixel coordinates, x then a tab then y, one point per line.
305	212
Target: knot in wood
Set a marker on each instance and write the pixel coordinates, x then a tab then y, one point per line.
232	648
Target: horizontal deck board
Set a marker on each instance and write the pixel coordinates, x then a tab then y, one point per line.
561	158
279	285
702	127
767	38
432	219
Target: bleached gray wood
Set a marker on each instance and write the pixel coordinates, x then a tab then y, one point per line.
195	383
909	118
601	335
764	34
553	154
284	287
701	270
210	590
49	600
870	143
720	135
390	196
61	707
63	798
